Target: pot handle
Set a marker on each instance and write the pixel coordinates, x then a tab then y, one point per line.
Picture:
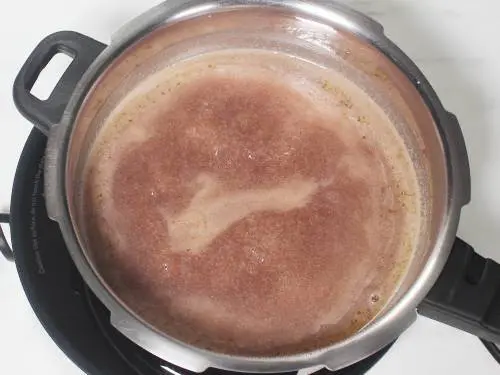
46	113
467	294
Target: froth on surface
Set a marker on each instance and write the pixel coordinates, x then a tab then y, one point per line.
250	204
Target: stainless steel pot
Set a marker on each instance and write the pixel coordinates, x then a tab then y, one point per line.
326	32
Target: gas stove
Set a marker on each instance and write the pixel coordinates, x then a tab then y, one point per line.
73	317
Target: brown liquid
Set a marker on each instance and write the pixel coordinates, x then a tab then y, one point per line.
254	211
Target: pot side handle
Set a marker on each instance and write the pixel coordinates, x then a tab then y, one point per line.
46	113
467	294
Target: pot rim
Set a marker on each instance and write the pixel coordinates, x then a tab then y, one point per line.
373	337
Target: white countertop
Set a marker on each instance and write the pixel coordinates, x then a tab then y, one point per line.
455	43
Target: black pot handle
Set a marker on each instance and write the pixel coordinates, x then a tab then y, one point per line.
4	246
46	113
467	294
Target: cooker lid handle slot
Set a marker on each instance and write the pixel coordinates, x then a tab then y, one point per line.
152	341
46	113
467	294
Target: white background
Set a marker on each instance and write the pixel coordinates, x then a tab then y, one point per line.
455	42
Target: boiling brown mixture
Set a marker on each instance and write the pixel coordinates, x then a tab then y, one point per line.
256	211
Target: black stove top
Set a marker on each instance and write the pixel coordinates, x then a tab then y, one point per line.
71	314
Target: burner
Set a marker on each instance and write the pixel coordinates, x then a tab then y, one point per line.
71	314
